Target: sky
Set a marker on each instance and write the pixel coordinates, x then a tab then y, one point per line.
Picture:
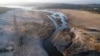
51	1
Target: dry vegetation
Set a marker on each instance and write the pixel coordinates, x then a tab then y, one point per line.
83	18
84	35
42	30
27	31
84	25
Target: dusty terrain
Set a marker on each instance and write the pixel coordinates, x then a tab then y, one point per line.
83	36
34	27
86	28
83	18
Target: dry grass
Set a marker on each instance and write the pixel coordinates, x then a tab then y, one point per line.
32	28
83	18
84	39
78	19
40	24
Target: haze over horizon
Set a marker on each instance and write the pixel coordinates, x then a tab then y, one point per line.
51	1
